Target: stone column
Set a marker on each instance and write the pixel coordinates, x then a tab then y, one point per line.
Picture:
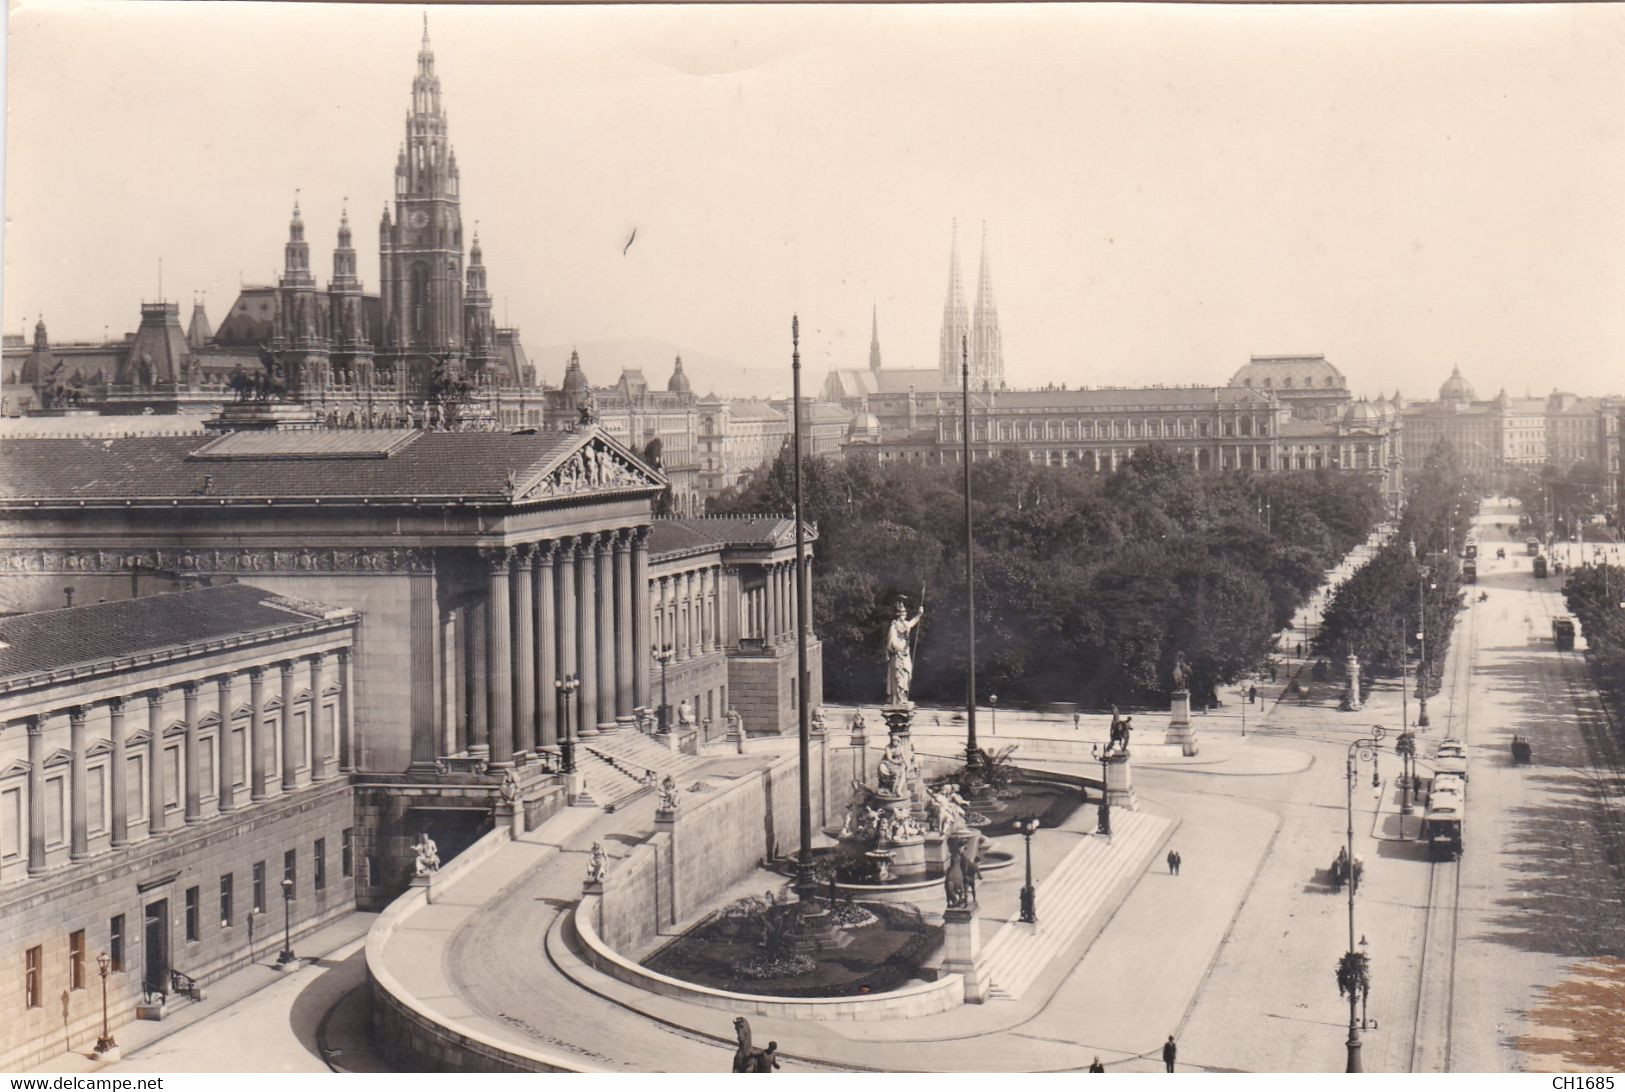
290	737
321	763
524	651
704	605
606	631
257	789
479	705
155	763
717	616
225	746
192	754
36	796
498	654
547	648
567	617
641	607
685	616
625	597
346	745
78	836
806	582
118	771
587	633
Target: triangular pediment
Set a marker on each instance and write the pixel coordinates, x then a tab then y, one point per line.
597	464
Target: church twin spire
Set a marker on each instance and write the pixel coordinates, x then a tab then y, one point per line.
978	329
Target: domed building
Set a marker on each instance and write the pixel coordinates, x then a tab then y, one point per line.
1456	389
1487	436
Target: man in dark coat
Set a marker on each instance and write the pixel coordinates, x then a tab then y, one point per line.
1169	1052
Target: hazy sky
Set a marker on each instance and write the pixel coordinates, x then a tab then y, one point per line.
1166	189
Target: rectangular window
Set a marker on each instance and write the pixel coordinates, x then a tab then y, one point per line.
259	887
301	727
347	851
321	864
172	778
290	868
239	751
115	943
135	789
191	913
210	770
33	987
225	900
55	793
96	804
11	824
76	960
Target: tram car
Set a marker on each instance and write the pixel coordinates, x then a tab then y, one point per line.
1563	634
1540	567
1469	572
1442	822
1470	551
1532	547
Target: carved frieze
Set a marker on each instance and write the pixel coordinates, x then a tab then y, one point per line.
221	561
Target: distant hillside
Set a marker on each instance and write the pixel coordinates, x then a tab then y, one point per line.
602	361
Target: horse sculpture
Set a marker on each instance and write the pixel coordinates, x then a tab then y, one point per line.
752	1059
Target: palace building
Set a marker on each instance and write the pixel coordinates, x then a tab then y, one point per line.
406	602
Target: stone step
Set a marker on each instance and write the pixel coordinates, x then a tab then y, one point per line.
1067	898
606	785
636	749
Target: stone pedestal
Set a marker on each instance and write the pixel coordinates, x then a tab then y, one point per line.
1353	700
1120	782
149	1010
907	857
512	816
1180	728
592	887
962	952
575	790
664	820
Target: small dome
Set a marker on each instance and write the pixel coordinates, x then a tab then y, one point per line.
1456	389
678	383
575	381
864	426
1362	414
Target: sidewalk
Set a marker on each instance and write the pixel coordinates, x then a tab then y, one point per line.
254	1020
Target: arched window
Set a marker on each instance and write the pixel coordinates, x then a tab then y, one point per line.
419	299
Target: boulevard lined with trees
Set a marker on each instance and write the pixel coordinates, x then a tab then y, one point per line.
1086	584
1412	585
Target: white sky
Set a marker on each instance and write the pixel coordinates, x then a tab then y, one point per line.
1167	189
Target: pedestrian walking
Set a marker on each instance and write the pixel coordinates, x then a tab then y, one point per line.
1272	672
1095	1066
1170	1050
1179	859
1252	695
1077	722
1171	862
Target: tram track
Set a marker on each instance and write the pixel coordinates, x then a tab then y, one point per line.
1433	1018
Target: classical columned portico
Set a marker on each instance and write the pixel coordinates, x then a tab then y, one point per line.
79	840
120	763
498	655
524	651
606	632
547	645
586	576
625	597
640	617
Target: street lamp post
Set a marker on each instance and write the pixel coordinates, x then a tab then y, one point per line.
566	688
1105	814
1029	896
105	1044
1353	974
804	883
286	957
973	756
993	712
1422	642
1365	987
664	656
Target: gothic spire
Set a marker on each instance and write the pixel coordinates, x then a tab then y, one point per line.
874	339
987	352
955	319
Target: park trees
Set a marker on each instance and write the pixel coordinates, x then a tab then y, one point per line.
1086	584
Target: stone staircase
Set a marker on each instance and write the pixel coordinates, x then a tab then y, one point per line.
635	753
608	785
1068	897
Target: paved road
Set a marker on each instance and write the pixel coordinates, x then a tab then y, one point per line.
1518	970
